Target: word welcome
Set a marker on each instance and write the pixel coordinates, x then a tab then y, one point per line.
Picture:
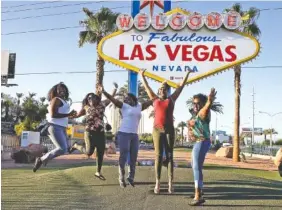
177	21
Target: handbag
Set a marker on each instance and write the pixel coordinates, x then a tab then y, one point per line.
108	127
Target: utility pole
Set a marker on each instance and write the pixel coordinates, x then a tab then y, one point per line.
215	128
253	124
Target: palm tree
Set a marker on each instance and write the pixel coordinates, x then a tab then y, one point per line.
7	103
250	27
31	95
42	100
19	96
182	125
142	94
97	26
268	132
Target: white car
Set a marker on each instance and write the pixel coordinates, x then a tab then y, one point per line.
226	144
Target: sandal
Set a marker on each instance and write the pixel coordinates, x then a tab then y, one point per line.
197	202
157	191
72	149
100	176
122	184
202	194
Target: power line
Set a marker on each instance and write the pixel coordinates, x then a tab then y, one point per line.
120	70
51	7
23	5
66	13
68	27
68	72
42	30
55	14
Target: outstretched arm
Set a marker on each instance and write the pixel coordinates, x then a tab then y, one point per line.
116	102
79	114
203	113
149	91
146	104
178	91
107	101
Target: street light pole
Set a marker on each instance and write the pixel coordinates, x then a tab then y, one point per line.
253	125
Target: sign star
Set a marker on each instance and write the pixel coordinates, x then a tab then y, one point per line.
152	3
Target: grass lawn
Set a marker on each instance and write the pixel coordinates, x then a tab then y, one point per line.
77	188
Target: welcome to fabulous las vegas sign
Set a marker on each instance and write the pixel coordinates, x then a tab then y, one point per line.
169	44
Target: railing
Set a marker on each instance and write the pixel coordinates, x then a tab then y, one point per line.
260	150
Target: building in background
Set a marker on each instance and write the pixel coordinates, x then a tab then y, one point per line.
220	136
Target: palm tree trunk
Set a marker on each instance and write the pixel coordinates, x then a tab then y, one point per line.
100	68
6	112
237	85
182	136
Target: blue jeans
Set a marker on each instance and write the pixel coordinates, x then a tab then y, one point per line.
128	145
199	152
58	136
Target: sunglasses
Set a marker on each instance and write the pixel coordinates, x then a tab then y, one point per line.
198	103
91	97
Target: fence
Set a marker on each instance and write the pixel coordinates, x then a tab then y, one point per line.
46	141
8	142
261	150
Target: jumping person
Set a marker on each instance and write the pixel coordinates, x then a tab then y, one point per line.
163	130
199	131
94	135
128	133
57	117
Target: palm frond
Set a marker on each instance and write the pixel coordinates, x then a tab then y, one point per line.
252	29
253	13
88	13
216	106
237	7
86	37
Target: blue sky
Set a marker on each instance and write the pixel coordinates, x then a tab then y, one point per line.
58	50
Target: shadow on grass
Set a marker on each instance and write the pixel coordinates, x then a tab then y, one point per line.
225	190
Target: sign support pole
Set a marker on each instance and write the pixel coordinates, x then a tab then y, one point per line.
133	76
167	7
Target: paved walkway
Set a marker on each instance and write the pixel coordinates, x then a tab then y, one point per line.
179	157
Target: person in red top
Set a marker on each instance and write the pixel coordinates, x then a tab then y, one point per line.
163	131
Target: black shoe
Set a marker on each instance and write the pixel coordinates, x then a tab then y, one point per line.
131	182
37	164
197	202
72	149
122	184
